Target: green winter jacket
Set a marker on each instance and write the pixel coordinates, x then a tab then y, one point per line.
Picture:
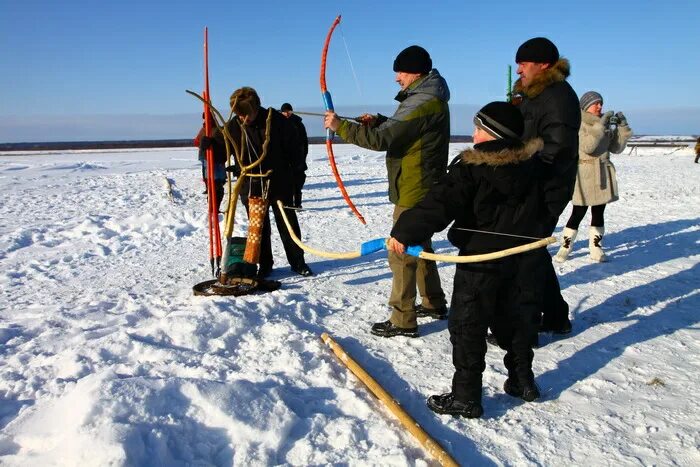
416	139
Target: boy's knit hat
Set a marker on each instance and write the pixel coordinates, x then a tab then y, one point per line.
501	120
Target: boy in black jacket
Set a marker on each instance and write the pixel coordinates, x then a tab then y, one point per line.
489	190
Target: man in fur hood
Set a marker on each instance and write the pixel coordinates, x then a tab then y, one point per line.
550	108
490	188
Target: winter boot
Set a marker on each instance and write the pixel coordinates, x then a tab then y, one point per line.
527	392
389	329
447	404
568	237
595	239
436	313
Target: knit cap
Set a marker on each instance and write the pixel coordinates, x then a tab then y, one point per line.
590	98
286	107
413	59
537	50
501	120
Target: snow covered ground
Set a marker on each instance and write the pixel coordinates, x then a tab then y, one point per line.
106	357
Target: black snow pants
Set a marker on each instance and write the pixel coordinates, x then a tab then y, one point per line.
505	295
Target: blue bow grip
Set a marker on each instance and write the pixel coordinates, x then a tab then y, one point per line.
328	104
372	246
414	250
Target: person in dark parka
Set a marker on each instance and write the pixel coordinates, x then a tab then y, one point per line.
550	108
492	187
300	169
283	153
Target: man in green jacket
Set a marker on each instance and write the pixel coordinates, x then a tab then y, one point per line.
416	140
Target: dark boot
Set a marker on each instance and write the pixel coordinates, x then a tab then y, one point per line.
388	329
264	271
447	404
527	391
436	313
559	328
303	270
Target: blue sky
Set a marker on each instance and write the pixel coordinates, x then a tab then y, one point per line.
129	62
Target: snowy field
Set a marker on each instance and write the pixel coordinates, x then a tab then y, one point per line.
106	357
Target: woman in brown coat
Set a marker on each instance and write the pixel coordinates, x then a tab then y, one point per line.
596	184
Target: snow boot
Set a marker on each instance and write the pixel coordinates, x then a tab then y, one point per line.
436	313
447	404
595	239
389	329
527	392
568	237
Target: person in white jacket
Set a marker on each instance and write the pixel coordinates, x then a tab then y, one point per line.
596	183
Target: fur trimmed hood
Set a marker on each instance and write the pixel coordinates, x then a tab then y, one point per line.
557	72
504	156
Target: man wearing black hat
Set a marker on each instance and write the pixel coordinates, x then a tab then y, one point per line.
551	111
299	172
492	187
416	140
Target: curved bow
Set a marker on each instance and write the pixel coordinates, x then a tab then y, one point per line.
328	104
379	244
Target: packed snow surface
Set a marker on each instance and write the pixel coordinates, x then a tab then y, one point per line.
107	358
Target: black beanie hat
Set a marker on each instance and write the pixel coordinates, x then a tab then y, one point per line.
413	59
537	50
286	107
501	120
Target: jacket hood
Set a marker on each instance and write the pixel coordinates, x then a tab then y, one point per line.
554	74
433	84
508	155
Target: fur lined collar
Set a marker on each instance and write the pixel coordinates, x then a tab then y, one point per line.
503	157
554	74
590	119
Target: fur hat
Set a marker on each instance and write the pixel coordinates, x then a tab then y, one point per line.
286	107
590	98
537	50
501	120
413	59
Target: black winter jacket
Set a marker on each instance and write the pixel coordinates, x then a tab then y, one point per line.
493	188
283	153
551	111
303	140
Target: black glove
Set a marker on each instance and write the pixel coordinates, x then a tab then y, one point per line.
380	119
205	142
621	119
605	119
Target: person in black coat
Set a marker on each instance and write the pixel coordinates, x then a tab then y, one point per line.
551	111
300	170
283	153
489	190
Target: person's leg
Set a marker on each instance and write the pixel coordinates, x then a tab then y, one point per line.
597	215
568	235
219	193
472	300
295	255
429	285
300	180
555	310
577	214
596	233
403	285
525	301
